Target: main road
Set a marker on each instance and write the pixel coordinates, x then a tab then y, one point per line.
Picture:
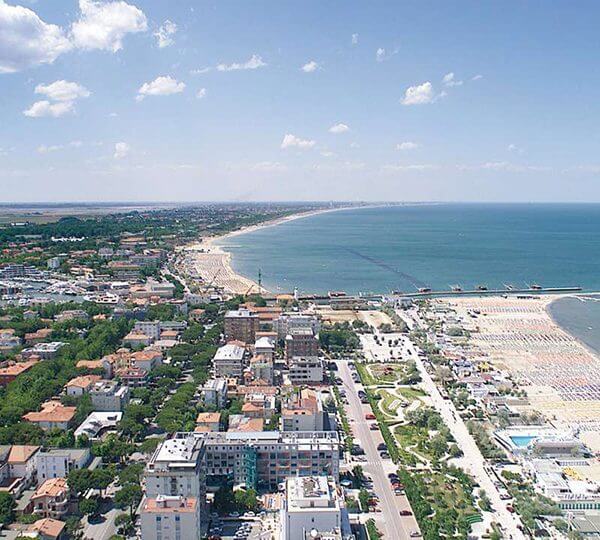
395	526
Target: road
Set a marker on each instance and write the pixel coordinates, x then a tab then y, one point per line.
394	525
474	461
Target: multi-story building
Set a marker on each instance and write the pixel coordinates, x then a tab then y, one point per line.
81	385
170	517
229	360
53	415
17	467
241	325
305	370
109	396
262	368
214	393
51	499
175	468
312	506
303	411
301	342
58	462
288	322
46	351
264	347
267	458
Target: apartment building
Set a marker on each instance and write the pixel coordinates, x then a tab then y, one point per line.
228	361
241	325
301	342
214	393
286	323
175	468
51	499
267	458
305	370
170	517
313	506
58	462
109	396
303	411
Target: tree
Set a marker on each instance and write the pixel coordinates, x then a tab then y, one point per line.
102	478
80	480
224	500
7	508
129	496
88	506
131	474
363	497
247	500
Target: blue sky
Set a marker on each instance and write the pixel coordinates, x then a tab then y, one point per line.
222	100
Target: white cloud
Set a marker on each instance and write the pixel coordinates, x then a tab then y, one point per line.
416	167
309	67
122	150
514	148
450	80
44	149
103	25
339	128
164	35
418	95
161	86
254	62
290	141
380	54
354	39
26	40
62	91
44	108
327	153
268	166
477	77
200	71
201	93
407	145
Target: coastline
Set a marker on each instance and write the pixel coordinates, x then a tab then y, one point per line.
591	349
555	368
213	263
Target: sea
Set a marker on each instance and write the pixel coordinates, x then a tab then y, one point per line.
403	248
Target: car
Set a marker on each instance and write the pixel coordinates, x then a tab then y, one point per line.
369	416
405	513
384	455
346	483
398	491
415	534
392	475
373	427
234	514
382	446
249	514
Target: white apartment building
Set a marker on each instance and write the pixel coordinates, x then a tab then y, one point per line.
214	393
303	411
313	504
148	328
170	517
58	462
287	322
109	396
229	360
176	468
305	370
267	458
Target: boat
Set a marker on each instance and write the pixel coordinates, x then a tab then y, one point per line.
482	287
456	288
424	289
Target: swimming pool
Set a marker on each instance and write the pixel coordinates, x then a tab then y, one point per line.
521	441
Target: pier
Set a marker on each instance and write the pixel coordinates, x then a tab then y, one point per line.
489	292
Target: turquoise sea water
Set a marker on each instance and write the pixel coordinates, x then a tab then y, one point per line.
403	248
580	316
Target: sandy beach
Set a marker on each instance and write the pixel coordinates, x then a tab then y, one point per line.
213	264
561	375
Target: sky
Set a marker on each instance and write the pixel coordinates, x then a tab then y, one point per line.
222	100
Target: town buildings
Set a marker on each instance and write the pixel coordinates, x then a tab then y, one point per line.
241	325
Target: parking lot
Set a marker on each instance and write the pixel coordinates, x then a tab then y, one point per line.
237	529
